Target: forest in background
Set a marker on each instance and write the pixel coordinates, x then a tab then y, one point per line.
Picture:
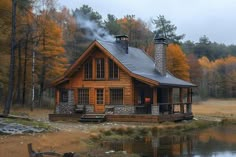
56	36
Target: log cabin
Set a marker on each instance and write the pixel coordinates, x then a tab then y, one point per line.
124	83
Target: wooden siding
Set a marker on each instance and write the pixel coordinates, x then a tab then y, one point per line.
124	81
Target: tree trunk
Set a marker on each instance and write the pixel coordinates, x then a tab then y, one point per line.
25	70
42	79
12	61
18	98
33	85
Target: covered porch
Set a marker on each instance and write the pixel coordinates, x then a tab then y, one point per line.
162	100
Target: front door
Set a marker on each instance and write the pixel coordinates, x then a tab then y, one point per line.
99	100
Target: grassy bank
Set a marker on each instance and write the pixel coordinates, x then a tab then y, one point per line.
156	129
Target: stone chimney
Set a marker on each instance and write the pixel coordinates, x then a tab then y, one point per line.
123	40
160	54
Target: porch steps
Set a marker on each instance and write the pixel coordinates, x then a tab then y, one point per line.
93	118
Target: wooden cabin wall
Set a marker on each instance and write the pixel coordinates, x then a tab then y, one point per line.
124	81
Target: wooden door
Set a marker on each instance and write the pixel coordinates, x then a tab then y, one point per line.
99	100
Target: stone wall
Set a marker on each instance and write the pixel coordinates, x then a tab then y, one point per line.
189	108
160	58
89	108
123	109
67	107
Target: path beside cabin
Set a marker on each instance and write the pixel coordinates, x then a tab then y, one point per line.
74	136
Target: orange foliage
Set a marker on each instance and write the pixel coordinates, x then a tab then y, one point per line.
195	68
177	62
51	49
220	75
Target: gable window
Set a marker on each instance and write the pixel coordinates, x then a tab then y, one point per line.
88	70
116	96
63	95
83	96
100	68
113	70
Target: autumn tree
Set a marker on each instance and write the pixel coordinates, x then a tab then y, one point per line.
165	29
177	62
138	31
71	34
8	102
22	11
5	25
51	54
195	70
219	76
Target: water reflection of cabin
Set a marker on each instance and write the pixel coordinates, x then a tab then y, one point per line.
123	82
154	146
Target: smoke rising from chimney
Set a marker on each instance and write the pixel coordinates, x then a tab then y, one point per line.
92	30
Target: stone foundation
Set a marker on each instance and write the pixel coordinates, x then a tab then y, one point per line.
89	108
67	107
124	109
189	108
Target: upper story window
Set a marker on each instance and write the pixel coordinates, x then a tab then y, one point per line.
113	70
88	70
100	68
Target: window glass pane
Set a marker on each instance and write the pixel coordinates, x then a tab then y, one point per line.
88	68
83	96
116	96
113	70
63	95
100	68
99	96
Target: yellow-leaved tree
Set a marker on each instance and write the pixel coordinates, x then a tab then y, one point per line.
177	62
52	60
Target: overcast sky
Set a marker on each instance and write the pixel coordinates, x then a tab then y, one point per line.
214	18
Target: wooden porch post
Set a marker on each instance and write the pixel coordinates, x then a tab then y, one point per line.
76	96
57	99
155	107
189	100
154	96
181	100
171	107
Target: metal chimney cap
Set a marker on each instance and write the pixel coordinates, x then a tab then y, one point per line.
160	39
120	37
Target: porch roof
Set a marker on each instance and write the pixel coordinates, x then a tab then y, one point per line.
138	62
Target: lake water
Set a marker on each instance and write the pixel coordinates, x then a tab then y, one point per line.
211	142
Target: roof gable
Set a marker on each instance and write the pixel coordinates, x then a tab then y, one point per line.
136	63
140	64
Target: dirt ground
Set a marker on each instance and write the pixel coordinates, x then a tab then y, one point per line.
74	136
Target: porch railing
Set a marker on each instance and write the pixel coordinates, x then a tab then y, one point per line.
171	108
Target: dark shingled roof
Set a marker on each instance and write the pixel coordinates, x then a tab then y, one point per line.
137	62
